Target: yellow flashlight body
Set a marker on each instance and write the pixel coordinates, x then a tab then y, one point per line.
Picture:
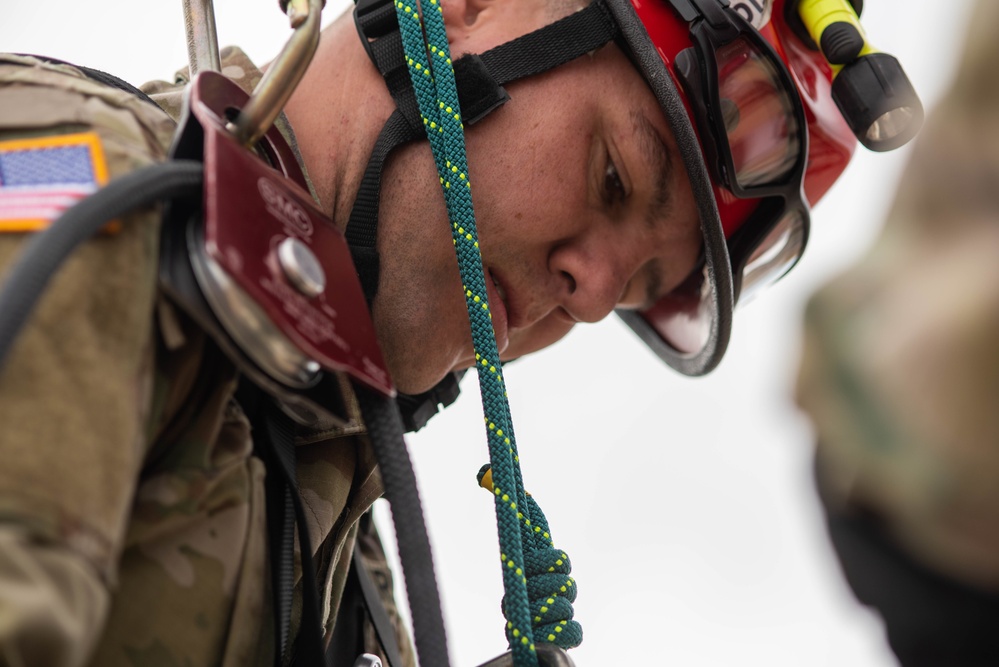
835	27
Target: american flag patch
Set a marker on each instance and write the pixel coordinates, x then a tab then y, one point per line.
42	177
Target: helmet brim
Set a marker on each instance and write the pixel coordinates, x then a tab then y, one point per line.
720	300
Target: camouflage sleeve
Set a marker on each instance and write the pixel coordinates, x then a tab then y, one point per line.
75	390
900	372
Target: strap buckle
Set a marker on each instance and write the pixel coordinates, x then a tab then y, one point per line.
374	19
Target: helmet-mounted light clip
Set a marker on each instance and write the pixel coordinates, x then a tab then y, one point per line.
712	11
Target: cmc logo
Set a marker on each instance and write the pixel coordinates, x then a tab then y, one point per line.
283	207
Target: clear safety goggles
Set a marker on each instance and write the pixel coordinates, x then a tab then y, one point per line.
754	138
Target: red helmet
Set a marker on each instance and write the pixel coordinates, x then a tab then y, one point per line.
763	129
761	138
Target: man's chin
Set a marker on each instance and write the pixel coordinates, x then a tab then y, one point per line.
414	379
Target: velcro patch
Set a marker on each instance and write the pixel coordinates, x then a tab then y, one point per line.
41	177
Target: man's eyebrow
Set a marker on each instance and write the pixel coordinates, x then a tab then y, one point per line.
659	159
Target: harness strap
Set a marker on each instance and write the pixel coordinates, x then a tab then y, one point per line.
417	409
361	229
376	610
275	444
281	538
388	56
548	47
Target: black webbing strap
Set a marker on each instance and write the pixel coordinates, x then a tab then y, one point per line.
417	409
550	46
538	51
384	629
361	229
389	57
276	446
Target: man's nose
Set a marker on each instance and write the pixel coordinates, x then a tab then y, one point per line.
591	275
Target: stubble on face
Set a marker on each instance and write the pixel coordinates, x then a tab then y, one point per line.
529	164
419	311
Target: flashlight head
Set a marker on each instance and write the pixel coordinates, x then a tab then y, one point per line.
878	101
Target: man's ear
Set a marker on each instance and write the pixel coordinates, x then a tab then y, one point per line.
475	26
459	14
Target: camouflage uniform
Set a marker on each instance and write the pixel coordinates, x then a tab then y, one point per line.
132	516
900	372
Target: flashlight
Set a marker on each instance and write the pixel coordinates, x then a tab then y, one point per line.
870	88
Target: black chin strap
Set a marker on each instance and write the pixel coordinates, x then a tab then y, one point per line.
479	79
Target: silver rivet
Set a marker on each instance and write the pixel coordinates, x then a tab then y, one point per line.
301	267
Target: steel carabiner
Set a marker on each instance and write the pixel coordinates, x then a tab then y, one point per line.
202	38
281	77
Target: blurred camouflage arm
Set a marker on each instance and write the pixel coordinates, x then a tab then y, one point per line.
900	375
901	367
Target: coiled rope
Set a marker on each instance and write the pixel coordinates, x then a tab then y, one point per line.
538	591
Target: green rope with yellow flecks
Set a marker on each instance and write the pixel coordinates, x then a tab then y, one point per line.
539	592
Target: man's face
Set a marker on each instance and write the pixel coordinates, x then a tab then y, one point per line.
582	205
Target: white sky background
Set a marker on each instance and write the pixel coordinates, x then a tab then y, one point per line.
685	505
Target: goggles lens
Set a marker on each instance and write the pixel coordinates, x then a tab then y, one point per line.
759	117
748	110
683	317
774	256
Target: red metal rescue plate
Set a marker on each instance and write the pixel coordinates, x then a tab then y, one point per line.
250	208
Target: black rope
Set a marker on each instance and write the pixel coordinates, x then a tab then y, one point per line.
25	281
381	416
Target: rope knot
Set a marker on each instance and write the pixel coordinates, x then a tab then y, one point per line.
550	588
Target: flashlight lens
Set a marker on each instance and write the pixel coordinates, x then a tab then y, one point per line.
891	124
878	101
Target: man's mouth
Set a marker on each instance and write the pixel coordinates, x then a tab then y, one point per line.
499	288
497	296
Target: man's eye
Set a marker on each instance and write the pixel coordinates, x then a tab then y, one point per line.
613	187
